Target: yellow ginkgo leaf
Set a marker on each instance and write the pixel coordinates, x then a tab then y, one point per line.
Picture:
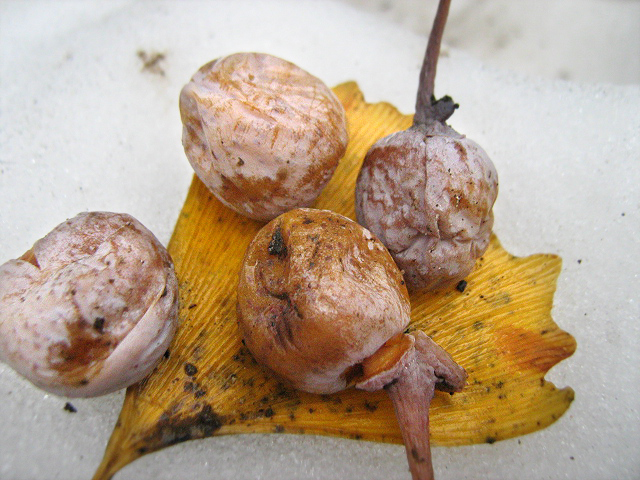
499	328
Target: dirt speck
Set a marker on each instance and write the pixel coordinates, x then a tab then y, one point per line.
151	62
190	369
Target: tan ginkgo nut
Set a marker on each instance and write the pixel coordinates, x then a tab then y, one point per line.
262	134
90	308
428	194
318	294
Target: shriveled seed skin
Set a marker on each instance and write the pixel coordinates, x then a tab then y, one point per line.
317	295
90	308
262	134
428	194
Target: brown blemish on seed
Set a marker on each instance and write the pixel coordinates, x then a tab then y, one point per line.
86	346
462	152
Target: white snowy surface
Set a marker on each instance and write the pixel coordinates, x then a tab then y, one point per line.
83	127
580	40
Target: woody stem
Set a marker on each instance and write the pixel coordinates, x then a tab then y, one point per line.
411	395
425	100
